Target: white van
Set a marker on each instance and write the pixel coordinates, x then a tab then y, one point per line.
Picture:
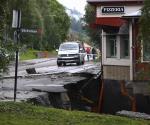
70	52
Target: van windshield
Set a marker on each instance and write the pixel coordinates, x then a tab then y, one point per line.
68	47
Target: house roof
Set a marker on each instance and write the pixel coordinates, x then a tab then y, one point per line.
114	1
135	14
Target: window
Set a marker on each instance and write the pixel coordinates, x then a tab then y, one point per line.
146	51
68	46
124	46
111	46
117	43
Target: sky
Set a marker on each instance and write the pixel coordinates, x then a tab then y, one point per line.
74	4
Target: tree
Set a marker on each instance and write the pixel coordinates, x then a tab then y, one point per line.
145	30
56	24
47	15
3	47
6	47
91	30
145	21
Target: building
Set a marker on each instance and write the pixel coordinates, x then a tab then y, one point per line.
125	60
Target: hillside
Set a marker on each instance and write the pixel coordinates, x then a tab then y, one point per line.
76	28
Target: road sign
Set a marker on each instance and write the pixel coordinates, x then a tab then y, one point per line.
16	22
29	31
38	31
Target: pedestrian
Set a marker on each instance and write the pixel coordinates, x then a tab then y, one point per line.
93	53
88	53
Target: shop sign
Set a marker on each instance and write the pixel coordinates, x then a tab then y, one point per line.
115	9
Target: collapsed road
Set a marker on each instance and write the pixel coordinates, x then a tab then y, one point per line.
49	85
72	87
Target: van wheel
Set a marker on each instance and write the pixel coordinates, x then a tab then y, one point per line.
59	64
83	62
78	63
64	64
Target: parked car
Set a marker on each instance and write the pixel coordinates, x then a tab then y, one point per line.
71	52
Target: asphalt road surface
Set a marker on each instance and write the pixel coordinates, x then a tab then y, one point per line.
46	65
49	77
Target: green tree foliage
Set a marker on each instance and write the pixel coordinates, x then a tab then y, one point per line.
48	16
76	31
76	25
91	30
3	16
145	21
56	23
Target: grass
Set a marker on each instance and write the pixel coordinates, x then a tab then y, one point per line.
27	114
29	54
32	54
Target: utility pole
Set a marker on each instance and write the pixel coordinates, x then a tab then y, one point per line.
16	23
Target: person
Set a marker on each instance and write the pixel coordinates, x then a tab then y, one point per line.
88	53
93	53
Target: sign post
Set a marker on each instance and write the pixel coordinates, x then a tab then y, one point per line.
16	23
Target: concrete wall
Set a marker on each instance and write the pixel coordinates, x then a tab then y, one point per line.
116	72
